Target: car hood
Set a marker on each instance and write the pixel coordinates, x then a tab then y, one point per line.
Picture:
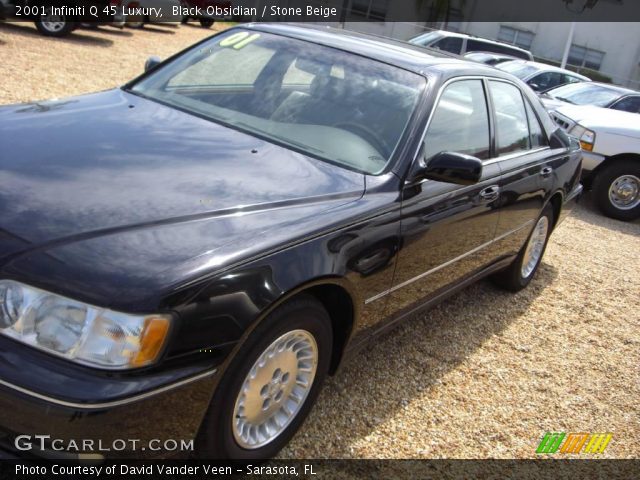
603	119
112	178
551	103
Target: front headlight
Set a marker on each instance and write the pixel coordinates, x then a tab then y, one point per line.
80	332
586	137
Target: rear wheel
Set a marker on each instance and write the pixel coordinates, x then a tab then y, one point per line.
271	384
54	25
520	273
617	190
207	22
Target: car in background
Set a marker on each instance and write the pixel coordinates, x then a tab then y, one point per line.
165	13
488	58
207	19
592	93
540	76
460	43
51	24
610	140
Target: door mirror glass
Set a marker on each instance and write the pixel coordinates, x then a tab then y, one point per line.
151	63
453	167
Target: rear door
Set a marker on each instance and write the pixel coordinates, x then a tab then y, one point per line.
447	229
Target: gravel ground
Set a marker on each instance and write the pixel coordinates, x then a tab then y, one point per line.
486	373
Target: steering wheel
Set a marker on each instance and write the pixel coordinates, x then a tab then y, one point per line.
366	134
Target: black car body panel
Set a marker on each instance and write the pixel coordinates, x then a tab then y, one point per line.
218	188
125	203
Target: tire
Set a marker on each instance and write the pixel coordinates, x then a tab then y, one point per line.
295	323
59	26
206	22
516	277
184	20
611	183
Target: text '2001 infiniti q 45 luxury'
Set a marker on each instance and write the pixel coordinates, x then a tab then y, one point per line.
203	246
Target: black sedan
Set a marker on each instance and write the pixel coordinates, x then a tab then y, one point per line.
189	256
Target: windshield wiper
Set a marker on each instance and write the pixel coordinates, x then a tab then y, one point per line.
566	100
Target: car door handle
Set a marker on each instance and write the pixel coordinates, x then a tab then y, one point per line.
546	171
490	194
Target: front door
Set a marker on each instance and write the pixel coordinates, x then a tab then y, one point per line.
447	230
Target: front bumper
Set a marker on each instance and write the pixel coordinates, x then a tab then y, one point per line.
590	160
87	420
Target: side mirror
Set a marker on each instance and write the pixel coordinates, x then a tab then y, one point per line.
452	167
152	62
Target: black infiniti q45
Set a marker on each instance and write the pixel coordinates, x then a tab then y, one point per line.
190	255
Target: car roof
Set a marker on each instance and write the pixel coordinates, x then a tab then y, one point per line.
623	91
487	55
490	54
546	67
466	35
617	88
393	52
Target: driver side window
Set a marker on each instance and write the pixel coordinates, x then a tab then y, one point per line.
460	122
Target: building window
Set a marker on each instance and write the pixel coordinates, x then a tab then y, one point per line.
585	57
375	10
514	36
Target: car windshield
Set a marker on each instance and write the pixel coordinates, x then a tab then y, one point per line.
585	94
520	70
324	102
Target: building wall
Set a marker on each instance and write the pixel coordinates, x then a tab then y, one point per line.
620	43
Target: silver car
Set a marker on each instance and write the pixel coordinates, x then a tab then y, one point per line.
540	76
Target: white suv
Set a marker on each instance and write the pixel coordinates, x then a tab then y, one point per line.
610	140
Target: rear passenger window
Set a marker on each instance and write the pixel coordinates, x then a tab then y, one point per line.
537	137
570	79
449	44
479	46
460	122
511	119
546	81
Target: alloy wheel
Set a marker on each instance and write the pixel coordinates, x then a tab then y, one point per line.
275	389
533	253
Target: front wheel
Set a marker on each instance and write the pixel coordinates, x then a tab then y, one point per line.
271	384
520	273
617	190
206	22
